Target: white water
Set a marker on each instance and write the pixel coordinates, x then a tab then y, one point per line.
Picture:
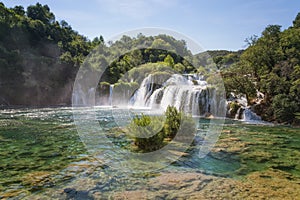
188	93
144	92
248	115
179	91
79	97
110	98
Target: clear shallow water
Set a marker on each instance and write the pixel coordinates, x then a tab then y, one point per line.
41	150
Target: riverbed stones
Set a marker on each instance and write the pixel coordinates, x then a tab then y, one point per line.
38	179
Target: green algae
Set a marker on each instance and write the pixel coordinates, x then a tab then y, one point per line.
42	154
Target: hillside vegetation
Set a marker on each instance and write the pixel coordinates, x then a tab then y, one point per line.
40	57
271	65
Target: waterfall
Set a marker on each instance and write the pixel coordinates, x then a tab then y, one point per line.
244	111
110	97
239	113
79	97
91	96
248	115
188	93
143	93
155	98
83	96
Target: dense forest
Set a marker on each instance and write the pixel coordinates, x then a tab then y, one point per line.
39	59
39	56
270	65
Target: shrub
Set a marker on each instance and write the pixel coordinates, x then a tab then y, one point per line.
147	133
178	123
172	123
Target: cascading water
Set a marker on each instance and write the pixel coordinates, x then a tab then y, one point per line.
144	92
110	98
79	97
91	96
82	96
244	111
188	93
248	115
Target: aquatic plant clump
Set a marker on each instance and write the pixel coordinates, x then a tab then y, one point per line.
150	132
147	133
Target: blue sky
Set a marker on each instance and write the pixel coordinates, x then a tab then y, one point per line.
214	24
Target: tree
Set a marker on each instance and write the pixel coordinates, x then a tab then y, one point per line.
146	133
19	10
169	60
237	79
270	65
173	118
284	108
38	56
42	13
296	22
250	41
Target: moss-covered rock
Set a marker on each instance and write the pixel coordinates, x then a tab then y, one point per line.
233	109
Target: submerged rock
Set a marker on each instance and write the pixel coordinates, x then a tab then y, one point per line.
38	179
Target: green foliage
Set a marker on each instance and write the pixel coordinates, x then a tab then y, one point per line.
125	86
149	133
173	119
161	49
39	56
104	84
235	80
284	108
296	22
234	106
297	115
177	122
19	10
169	61
179	67
158	70
39	12
218	58
270	65
250	41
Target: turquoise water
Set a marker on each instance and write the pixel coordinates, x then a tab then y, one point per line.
40	150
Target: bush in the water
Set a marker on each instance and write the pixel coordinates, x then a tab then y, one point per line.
149	133
172	124
177	121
